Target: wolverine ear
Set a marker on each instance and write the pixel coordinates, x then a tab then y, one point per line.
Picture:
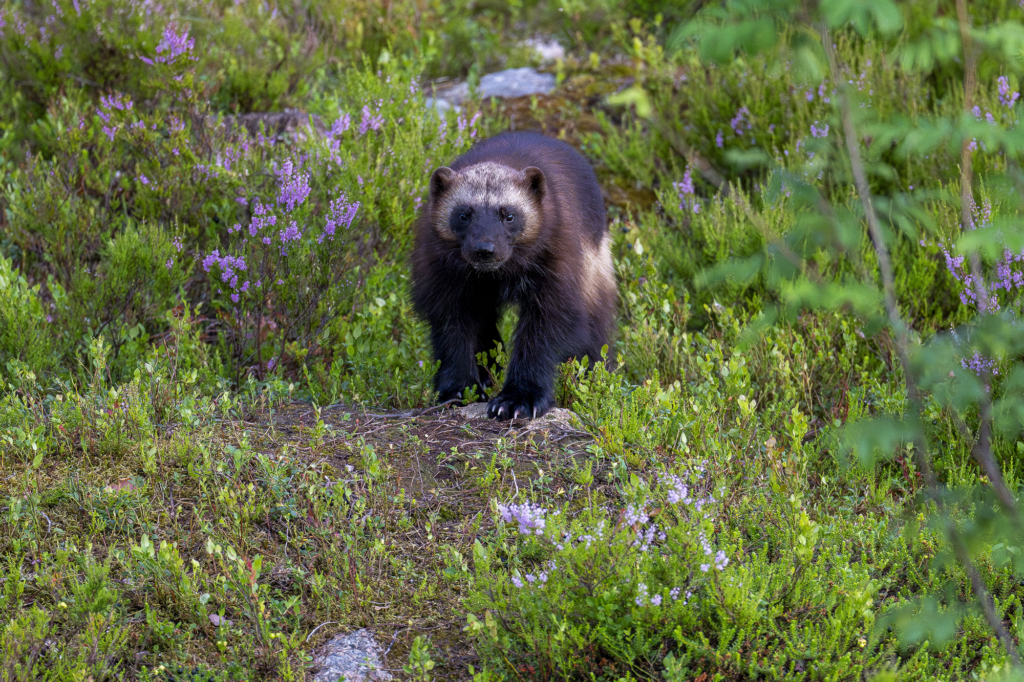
534	178
440	181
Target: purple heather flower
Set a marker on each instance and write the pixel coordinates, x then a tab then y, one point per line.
261	219
979	364
517	582
719	139
211	259
341	125
1007	97
234	297
293	186
634	515
172	46
529	516
684	189
290	233
678	491
169	263
370	121
740	121
656	600
818	132
339	215
641	595
143	179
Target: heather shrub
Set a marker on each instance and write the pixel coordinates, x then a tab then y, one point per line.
657	586
27	342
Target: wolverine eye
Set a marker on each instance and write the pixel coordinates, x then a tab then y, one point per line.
510	217
463	217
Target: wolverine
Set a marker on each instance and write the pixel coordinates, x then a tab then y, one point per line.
519	221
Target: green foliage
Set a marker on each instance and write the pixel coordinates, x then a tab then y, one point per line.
816	370
26	345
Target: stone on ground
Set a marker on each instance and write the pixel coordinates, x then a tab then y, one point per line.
354	657
505	84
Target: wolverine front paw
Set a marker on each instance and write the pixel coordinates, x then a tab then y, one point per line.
517	403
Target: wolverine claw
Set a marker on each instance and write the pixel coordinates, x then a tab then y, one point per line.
516	403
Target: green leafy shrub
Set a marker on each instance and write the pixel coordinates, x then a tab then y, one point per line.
27	343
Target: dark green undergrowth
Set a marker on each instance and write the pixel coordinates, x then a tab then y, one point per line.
218	445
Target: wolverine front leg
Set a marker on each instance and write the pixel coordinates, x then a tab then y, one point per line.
529	380
457	338
454	344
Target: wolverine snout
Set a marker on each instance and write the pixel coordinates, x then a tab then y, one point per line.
484	250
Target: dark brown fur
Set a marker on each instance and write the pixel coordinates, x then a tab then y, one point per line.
517	220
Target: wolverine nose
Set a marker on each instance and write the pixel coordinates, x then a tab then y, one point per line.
484	250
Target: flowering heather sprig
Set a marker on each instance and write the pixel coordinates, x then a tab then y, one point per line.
172	46
529	516
718	559
719	139
678	491
340	216
979	364
203	170
370	121
463	125
1009	270
290	233
1007	97
262	218
641	595
739	121
684	190
818	132
341	125
293	186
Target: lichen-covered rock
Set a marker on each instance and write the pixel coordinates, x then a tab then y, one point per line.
354	657
505	84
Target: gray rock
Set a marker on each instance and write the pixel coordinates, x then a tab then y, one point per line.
550	50
354	657
506	84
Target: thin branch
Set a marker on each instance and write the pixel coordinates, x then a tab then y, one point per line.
902	345
982	450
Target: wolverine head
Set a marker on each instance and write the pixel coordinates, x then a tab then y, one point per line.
487	209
